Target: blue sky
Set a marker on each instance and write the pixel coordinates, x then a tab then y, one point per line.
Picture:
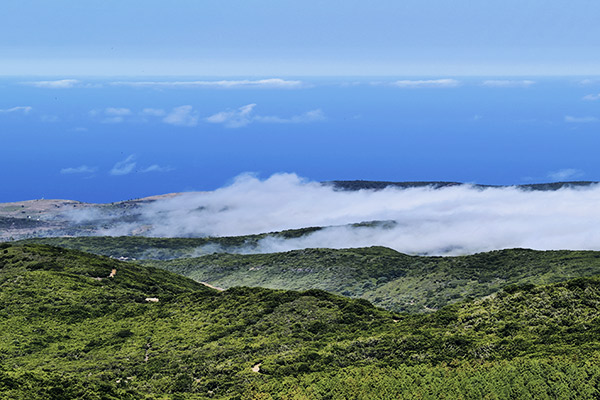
299	38
109	100
112	139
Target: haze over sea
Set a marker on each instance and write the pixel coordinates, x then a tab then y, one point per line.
109	139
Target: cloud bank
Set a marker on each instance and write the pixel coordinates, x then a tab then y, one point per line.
450	220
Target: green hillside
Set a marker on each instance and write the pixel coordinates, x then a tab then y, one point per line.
69	330
387	278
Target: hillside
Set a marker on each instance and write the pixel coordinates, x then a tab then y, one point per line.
385	277
70	330
389	279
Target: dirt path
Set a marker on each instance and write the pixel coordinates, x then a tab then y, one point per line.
212	287
147	355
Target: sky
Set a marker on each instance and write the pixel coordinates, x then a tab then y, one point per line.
293	38
108	100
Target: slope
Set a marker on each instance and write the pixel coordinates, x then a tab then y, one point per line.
69	330
387	278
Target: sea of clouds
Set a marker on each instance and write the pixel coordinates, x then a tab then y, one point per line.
447	221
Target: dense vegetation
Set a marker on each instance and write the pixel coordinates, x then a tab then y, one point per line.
387	278
69	330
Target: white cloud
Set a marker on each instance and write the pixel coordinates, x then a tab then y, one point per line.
114	111
508	83
124	167
592	97
113	120
111	115
310	116
182	116
49	118
153	112
244	116
84	169
272	83
432	83
23	109
234	118
565	174
58	84
580	120
157	168
453	220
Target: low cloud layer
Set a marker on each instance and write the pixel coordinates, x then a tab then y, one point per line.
450	220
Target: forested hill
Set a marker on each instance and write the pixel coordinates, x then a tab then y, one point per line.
386	277
383	276
74	325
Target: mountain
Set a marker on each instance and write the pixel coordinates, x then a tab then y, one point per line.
75	325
